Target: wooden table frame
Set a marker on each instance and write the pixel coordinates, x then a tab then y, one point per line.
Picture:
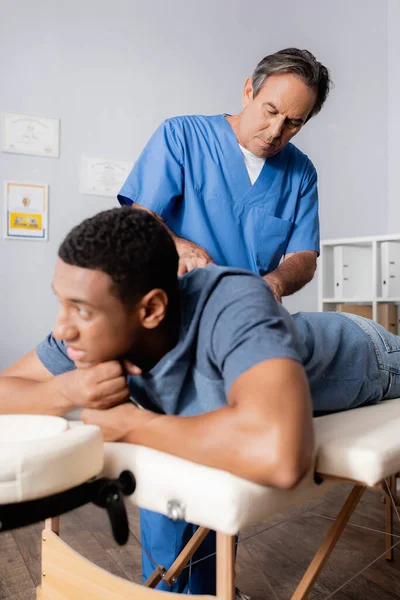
66	575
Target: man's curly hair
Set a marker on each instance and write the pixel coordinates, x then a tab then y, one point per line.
131	246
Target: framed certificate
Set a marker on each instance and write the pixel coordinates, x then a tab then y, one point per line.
102	176
24	134
26	211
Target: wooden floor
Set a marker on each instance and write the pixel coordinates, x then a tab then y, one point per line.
269	564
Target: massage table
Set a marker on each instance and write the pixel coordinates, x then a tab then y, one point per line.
49	466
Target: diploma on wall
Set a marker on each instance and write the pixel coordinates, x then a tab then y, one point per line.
102	176
25	134
26	211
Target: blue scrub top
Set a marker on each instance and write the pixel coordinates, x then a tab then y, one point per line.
192	173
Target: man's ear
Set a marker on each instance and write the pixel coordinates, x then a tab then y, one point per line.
247	91
152	308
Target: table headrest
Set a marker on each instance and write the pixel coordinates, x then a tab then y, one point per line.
27	428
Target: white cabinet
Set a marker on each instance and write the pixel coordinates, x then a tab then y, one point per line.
361	271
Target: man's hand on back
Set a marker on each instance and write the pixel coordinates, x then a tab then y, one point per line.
191	256
274	285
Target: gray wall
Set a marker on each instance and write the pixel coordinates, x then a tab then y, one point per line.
111	71
393	212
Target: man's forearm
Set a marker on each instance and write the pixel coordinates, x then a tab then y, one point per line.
293	273
175	237
156	216
190	254
218	439
19	396
264	434
207	439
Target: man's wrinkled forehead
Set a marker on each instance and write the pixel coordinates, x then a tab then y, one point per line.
288	93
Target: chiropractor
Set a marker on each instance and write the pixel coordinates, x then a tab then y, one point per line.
234	191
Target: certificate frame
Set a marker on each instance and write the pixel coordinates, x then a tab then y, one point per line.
103	176
30	135
26	211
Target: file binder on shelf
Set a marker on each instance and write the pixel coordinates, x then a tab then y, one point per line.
352	266
390	269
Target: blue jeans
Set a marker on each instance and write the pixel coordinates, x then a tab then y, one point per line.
387	351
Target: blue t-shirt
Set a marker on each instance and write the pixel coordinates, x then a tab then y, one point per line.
230	321
192	173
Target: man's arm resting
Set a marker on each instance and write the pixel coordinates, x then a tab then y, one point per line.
190	254
28	387
293	273
264	434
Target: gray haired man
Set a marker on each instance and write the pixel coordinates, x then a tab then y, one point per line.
233	190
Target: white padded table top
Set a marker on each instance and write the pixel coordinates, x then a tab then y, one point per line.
362	445
40	456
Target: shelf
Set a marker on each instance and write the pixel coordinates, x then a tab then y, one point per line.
365	240
349	300
358	300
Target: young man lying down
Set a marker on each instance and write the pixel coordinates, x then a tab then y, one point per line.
226	376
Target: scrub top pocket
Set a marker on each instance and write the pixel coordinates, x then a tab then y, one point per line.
269	237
